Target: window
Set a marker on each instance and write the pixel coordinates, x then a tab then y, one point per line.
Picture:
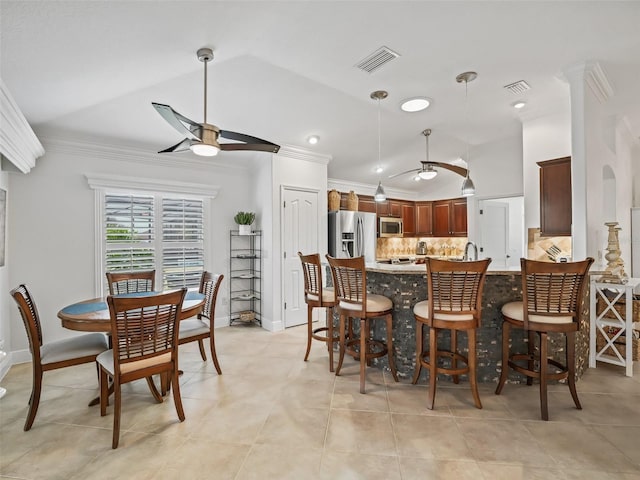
143	232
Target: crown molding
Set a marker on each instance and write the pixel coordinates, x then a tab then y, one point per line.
18	142
100	181
367	189
135	155
298	153
594	76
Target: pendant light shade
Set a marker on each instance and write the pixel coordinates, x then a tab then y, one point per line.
468	188
380	195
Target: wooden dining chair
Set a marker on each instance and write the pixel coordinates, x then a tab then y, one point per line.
145	342
131	282
202	327
454	303
316	296
353	301
552	299
54	355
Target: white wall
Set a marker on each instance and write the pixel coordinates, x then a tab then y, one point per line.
51	236
6	303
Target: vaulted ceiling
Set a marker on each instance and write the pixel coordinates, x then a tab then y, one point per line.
286	70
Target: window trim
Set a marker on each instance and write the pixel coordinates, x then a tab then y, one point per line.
101	183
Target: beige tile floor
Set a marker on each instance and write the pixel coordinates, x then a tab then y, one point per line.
273	416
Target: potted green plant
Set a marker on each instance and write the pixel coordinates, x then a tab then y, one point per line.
244	221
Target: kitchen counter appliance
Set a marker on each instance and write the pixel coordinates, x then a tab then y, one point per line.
390	227
421	248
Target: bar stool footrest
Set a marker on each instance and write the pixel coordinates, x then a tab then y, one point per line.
562	374
317	335
370	354
424	361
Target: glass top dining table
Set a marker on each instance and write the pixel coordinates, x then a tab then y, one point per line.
93	315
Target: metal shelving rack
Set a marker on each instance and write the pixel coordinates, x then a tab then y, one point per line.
245	277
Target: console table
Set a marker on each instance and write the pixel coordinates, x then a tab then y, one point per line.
623	322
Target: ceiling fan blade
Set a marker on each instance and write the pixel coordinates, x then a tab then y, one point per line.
179	147
447	166
179	122
248	139
258	147
413	170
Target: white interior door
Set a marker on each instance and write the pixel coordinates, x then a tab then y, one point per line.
300	234
494	228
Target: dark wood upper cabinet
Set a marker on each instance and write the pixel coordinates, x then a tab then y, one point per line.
424	219
459	217
555	197
441	218
450	218
408	219
366	204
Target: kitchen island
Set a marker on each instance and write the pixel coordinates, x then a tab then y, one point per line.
406	285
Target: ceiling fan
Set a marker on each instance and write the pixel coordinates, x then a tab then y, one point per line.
202	138
428	171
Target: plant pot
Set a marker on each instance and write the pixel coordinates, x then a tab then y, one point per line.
244	229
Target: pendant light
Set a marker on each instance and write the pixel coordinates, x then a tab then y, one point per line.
468	188
380	195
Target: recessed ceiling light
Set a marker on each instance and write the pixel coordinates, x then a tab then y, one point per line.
519	104
416	178
415	104
379	169
313	139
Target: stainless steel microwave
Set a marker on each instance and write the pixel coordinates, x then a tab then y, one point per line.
390	227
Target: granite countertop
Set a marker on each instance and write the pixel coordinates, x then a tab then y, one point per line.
413	268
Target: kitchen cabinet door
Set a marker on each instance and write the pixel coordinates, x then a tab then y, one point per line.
408	220
395	208
555	197
382	208
459	217
424	219
366	204
441	214
450	218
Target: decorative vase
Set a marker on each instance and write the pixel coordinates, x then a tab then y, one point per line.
334	200
614	273
244	229
352	201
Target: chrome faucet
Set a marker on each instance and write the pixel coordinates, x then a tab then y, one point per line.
467	258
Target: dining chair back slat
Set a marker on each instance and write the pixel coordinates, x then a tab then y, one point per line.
131	282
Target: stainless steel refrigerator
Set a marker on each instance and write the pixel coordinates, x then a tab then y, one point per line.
352	234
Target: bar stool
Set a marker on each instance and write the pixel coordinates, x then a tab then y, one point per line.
454	303
353	301
316	296
553	294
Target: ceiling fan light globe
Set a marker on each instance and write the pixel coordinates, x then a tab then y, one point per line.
428	174
204	150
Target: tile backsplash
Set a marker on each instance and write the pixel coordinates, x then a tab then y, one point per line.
547	249
398	247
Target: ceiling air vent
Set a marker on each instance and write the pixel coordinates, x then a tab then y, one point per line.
518	87
377	59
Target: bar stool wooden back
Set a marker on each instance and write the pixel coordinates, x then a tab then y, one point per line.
454	303
353	301
316	296
552	296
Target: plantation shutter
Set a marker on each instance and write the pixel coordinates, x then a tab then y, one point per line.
182	242
129	232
